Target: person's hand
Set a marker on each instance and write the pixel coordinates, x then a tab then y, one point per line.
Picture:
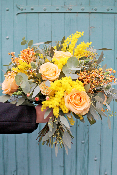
40	115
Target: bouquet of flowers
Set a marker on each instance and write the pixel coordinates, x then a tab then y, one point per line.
66	79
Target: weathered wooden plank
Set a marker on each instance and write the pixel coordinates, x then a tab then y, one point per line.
21	139
70	159
82	129
33	147
114	140
107	134
44	32
95	33
58	31
9	161
1	79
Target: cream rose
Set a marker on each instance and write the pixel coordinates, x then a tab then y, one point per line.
60	54
9	85
49	71
77	102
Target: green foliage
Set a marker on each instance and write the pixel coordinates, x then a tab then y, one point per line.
4	98
72	62
23	42
30	43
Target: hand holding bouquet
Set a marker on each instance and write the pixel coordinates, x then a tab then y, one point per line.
66	80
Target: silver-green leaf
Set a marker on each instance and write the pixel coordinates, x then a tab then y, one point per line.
20	101
67	139
36	91
72	62
64	121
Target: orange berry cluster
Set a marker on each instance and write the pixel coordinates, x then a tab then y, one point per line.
96	78
27	55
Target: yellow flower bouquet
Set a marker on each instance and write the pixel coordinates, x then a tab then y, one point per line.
66	79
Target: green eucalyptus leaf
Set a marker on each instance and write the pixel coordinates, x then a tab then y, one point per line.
72	62
93	112
46	137
33	65
65	69
98	98
23	38
50	124
109	99
99	105
100	112
47	42
26	88
101	95
4	98
67	139
18	79
20	101
36	91
104	67
30	43
23	42
23	84
100	58
53	129
64	121
73	76
91	119
63	39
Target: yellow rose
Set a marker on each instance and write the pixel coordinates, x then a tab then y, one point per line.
60	54
49	71
9	85
77	102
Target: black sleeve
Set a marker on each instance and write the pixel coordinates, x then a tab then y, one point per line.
17	119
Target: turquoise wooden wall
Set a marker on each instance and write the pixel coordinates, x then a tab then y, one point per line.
94	148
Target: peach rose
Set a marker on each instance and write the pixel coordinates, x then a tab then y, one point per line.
60	54
77	102
49	71
9	85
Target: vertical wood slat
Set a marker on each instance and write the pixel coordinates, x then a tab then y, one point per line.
82	128
1	136
21	139
44	35
107	134
58	31
33	147
9	161
70	159
95	130
114	141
